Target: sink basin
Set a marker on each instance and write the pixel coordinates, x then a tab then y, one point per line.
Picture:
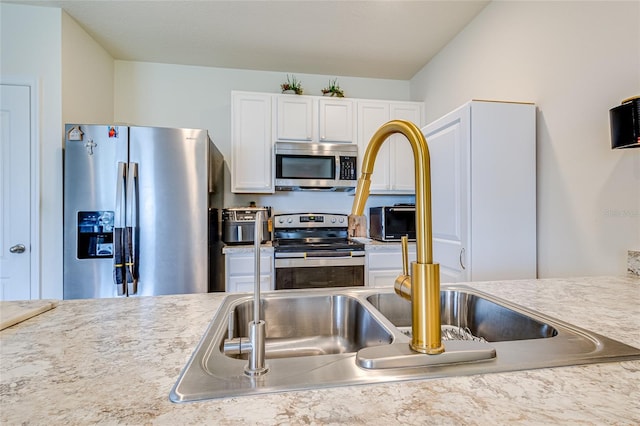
478	315
306	326
314	338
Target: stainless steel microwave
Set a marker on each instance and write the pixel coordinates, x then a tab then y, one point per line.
315	166
392	222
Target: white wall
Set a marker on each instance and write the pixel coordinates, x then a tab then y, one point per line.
575	60
31	45
45	45
87	77
167	95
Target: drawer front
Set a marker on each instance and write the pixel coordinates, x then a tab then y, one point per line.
383	278
245	284
244	264
388	260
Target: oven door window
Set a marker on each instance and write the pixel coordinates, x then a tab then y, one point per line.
305	167
318	277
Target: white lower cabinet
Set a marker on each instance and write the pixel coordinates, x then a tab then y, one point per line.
483	183
239	268
245	284
384	263
385	266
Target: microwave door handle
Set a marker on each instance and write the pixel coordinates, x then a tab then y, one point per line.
131	229
118	223
402	209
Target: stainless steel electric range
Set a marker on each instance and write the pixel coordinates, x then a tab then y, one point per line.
313	250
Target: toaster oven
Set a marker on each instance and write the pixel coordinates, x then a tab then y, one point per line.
390	223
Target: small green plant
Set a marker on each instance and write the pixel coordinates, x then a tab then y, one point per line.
292	84
333	89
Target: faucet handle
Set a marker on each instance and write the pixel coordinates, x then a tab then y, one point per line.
404	240
402	284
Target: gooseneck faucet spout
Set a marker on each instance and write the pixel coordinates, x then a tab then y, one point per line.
423	286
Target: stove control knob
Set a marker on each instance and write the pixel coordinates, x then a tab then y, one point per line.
333	220
290	220
342	220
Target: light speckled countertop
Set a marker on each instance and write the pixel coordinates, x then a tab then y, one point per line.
115	361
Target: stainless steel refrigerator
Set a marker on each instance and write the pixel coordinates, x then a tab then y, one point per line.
141	211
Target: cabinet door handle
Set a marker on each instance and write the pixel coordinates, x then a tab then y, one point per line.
18	248
462	252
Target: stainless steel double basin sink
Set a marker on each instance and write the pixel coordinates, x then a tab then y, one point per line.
313	338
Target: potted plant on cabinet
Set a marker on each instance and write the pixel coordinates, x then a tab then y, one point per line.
292	85
333	89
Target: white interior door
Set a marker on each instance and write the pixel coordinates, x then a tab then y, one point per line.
15	187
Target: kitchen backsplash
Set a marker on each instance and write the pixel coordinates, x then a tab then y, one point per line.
315	202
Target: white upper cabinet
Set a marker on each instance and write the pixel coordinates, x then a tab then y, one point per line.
258	120
313	119
294	118
393	169
401	156
251	158
372	115
335	120
483	184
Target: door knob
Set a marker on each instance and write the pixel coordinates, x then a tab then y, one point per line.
18	248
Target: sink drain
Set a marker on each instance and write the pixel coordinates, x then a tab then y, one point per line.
450	332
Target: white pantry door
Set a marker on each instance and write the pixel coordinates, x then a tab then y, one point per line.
15	187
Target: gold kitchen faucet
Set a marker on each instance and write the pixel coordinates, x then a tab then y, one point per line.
422	288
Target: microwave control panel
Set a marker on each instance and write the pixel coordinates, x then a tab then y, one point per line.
348	168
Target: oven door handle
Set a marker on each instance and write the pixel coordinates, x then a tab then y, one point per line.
334	254
320	254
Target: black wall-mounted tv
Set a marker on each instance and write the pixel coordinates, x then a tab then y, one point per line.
625	124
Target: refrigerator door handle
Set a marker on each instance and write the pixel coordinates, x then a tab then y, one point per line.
118	234
131	229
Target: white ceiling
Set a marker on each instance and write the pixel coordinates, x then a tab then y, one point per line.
378	39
